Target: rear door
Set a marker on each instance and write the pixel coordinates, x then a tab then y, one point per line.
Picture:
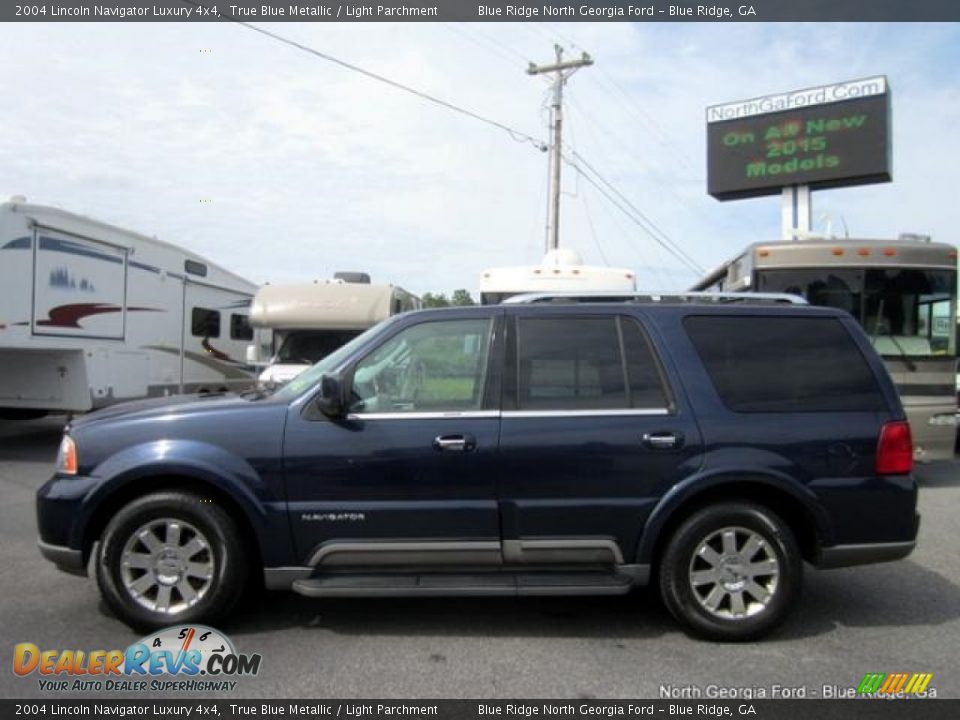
593	432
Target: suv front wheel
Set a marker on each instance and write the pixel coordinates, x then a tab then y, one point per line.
731	571
168	558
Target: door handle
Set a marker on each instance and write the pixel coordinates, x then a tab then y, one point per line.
663	440
454	443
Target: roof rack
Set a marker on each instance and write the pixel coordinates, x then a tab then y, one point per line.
657	296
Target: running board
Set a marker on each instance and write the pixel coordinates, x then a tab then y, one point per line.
479	584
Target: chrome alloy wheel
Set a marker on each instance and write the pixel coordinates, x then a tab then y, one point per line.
167	565
734	573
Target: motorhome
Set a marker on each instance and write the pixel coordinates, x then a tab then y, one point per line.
902	291
310	320
92	314
561	270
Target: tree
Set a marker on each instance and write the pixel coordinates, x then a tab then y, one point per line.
461	298
430	300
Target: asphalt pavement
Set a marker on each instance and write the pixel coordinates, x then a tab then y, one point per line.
898	617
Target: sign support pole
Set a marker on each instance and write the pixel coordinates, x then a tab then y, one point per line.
795	212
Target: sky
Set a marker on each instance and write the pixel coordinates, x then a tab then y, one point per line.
285	167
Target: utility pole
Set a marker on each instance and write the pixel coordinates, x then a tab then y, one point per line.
561	69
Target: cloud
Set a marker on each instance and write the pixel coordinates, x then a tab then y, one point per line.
311	168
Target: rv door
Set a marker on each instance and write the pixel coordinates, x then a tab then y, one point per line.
79	286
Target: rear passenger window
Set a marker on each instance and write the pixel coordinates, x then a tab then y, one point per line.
581	364
784	364
647	386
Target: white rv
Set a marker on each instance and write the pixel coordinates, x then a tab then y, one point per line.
561	270
311	320
92	314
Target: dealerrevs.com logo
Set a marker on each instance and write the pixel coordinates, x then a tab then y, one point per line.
179	658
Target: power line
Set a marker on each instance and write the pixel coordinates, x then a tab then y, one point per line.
622	203
516	135
593	230
691	262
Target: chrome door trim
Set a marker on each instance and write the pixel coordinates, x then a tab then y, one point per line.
450	414
629	412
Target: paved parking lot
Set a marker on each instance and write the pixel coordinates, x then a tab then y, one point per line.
899	617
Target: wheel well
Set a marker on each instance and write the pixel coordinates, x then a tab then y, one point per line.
149	485
788	508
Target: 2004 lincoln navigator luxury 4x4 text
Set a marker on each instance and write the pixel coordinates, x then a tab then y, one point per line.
530	448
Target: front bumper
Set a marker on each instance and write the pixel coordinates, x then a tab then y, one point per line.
61	518
65	558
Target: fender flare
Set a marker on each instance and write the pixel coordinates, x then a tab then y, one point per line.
699	484
188	459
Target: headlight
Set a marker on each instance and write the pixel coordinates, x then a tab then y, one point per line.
67	456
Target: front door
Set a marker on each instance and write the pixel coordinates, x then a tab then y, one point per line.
407	477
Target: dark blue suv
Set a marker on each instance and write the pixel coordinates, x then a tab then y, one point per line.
533	448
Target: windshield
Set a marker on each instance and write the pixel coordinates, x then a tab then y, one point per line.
306	347
905	311
309	378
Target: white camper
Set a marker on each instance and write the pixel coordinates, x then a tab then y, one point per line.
311	320
561	270
91	314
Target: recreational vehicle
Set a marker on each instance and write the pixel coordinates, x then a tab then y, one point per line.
91	314
561	270
311	320
904	294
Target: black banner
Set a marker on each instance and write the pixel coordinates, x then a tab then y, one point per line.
481	10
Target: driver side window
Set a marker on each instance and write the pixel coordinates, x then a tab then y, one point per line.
431	367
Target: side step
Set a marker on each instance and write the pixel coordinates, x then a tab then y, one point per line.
479	584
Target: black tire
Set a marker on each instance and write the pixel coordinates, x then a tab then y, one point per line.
196	518
732	618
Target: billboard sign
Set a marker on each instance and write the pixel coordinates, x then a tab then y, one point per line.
829	136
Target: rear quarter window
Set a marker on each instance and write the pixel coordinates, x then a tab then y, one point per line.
784	364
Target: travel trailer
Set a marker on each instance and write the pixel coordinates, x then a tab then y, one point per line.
311	320
562	270
91	314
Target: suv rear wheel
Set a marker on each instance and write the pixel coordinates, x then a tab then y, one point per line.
168	558
731	571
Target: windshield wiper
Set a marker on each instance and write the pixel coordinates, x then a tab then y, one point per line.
911	365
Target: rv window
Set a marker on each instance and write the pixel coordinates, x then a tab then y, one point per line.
206	323
240	328
195	268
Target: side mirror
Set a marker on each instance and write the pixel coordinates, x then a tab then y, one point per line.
332	399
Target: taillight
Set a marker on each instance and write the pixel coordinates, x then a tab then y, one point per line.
895	449
67	457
